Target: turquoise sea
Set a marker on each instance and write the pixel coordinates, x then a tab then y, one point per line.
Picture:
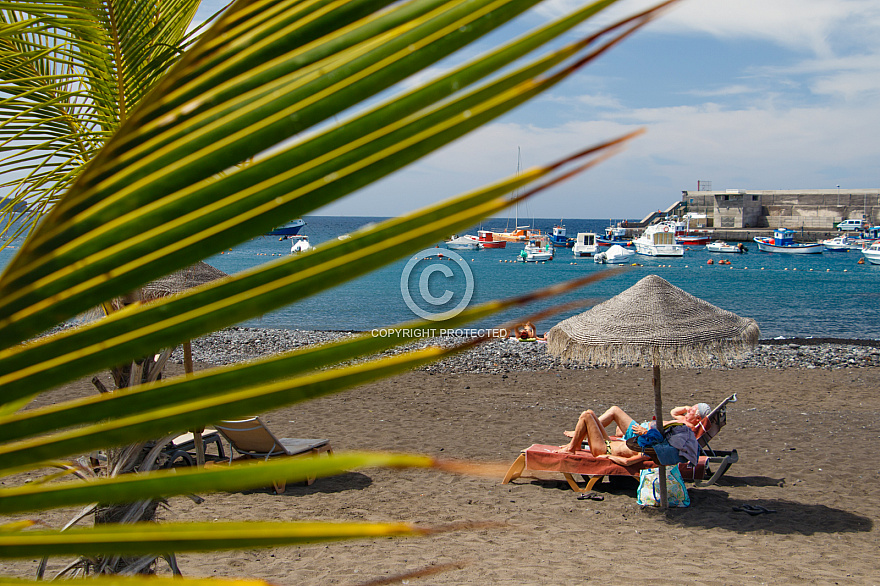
819	295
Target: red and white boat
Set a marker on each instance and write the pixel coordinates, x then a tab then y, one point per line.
486	238
684	234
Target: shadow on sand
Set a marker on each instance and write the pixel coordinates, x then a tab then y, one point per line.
715	509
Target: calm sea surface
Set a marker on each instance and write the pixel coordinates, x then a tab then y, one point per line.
821	295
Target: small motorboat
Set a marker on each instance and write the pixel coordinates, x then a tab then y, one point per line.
585	244
615	255
872	253
300	243
537	250
463	243
721	246
840	244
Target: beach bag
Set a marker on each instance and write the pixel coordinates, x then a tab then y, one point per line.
649	488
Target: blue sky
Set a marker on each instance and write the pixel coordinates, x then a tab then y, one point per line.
747	94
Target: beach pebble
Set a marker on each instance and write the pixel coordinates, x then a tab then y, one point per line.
242	344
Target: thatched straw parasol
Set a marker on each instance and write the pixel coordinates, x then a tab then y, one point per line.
177	282
653	322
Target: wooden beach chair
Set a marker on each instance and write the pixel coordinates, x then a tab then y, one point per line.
539	457
252	439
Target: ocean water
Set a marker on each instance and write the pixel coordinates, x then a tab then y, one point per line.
820	295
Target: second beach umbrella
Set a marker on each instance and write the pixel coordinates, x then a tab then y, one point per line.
653	322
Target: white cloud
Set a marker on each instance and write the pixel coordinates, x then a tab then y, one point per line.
806	25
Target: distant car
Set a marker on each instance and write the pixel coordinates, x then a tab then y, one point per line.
848	225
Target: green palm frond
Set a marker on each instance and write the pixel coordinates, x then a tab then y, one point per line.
128	140
72	71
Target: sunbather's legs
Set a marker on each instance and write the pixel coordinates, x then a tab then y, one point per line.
588	426
616	415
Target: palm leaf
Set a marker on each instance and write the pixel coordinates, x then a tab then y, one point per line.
146	145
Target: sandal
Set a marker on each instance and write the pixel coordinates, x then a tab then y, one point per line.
592	495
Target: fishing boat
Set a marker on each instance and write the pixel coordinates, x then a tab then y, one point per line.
840	244
659	240
684	234
462	243
616	255
288	229
721	246
559	238
783	241
486	238
585	244
872	253
614	235
537	250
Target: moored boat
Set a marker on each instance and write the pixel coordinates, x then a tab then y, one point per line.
783	241
486	238
872	253
658	240
684	234
616	254
585	244
300	243
614	235
840	244
288	229
462	243
537	250
560	239
518	234
721	246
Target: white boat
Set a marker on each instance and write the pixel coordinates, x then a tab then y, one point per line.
840	244
659	240
300	243
585	244
615	255
537	250
462	243
783	241
872	253
721	246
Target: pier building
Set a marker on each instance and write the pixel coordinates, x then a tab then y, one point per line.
799	209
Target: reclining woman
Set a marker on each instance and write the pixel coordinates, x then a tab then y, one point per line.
690	415
601	445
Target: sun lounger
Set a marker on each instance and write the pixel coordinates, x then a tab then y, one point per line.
539	457
706	430
251	438
181	448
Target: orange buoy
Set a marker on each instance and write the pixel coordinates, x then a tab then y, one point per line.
710	261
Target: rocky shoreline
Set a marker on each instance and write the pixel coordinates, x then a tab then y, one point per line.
241	344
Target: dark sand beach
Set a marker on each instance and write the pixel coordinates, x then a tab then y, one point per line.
806	439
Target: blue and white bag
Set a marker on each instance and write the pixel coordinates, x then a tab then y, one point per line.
649	488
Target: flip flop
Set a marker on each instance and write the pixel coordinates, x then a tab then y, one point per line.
592	495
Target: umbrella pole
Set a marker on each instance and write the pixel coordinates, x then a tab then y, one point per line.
658	413
197	433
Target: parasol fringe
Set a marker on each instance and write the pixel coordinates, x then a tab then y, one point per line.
671	355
